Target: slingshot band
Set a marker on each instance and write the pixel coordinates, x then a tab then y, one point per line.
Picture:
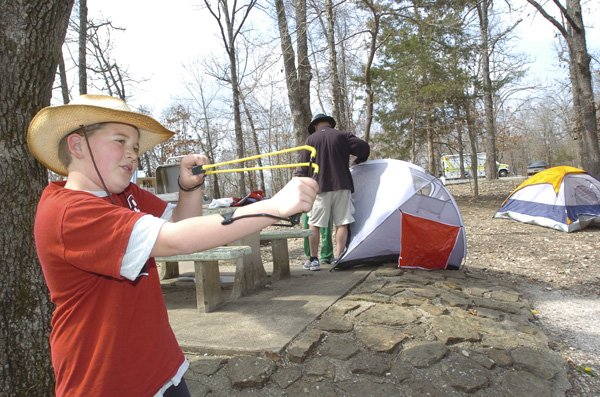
206	168
228	218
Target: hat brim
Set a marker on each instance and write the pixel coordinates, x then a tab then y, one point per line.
52	123
329	119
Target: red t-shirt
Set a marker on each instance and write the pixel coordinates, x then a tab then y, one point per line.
110	336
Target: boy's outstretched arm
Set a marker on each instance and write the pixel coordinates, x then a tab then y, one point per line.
204	232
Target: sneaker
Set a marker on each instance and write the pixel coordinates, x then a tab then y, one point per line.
314	265
306	264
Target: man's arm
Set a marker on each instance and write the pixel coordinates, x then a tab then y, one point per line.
359	148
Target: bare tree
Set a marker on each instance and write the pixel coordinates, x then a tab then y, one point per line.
471	129
297	78
62	73
230	29
255	78
572	30
255	142
152	158
83	25
95	65
373	30
483	7
209	140
540	129
277	134
336	87
30	55
105	69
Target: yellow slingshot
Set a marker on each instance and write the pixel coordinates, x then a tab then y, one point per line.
206	168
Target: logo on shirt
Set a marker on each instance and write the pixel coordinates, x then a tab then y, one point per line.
132	203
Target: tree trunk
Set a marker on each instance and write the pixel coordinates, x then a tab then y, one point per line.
211	145
430	145
413	135
225	18
239	136
257	149
30	43
573	31
304	73
473	139
297	81
459	139
336	91
64	85
343	78
83	13
490	121
577	128
579	63
374	25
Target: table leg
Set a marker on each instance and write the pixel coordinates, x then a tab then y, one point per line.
167	270
281	259
208	286
254	274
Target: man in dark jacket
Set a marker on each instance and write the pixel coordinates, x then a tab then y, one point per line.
334	200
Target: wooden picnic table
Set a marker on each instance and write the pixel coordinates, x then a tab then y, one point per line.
206	274
279	248
254	271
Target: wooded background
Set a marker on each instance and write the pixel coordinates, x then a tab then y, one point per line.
417	79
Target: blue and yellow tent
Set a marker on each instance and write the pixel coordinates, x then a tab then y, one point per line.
562	198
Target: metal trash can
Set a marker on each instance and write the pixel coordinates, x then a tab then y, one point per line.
166	176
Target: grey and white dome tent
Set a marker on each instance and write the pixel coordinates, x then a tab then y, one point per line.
403	214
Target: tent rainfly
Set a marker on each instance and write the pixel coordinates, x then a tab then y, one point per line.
403	214
562	198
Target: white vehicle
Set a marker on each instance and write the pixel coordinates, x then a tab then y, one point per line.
451	166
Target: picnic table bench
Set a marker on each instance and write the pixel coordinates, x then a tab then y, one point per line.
207	277
280	251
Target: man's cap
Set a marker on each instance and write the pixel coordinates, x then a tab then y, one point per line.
317	119
52	123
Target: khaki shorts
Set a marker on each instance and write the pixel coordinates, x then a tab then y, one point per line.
336	205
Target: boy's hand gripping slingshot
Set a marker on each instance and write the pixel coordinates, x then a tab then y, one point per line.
313	169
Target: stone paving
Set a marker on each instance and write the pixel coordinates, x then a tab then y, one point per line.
402	333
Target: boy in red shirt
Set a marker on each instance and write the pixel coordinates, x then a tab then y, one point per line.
97	233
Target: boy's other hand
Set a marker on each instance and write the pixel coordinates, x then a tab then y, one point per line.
186	177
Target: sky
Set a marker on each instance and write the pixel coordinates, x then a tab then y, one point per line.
161	37
537	37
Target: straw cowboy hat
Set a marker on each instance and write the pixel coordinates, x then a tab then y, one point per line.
317	119
52	123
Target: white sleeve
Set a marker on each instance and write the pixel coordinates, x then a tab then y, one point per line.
142	239
168	212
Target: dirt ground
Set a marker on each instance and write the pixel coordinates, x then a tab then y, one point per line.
559	273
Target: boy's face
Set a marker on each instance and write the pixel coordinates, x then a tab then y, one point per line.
115	148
